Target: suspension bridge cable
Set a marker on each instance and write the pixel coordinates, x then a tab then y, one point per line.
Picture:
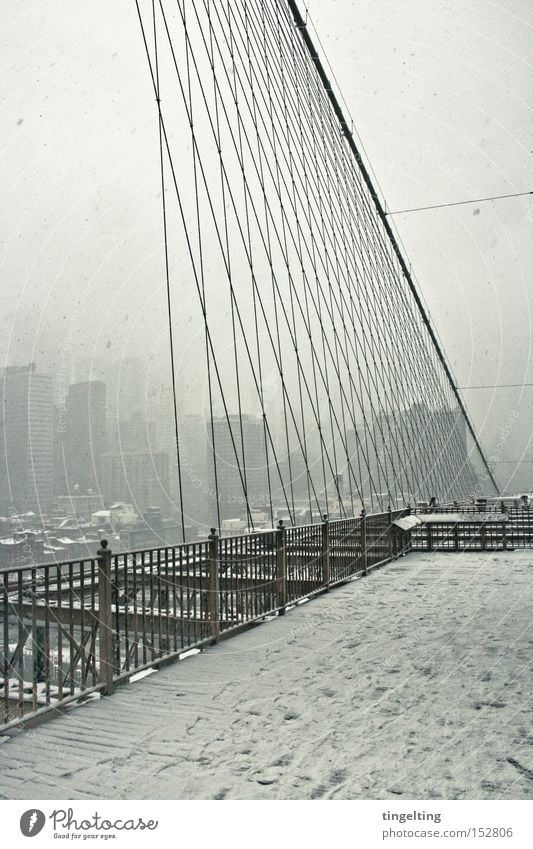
498	386
312	257
190	53
274	198
188	241
314	411
208	195
318	111
167	274
349	137
208	349
232	293
458	203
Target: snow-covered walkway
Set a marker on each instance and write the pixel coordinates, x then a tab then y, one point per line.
415	682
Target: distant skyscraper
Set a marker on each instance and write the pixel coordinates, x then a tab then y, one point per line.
80	447
294	476
237	472
161	413
452	425
126	403
139	478
26	440
195	465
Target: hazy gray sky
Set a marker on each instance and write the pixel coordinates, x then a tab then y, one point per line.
440	93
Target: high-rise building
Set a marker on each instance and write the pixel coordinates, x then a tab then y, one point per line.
395	444
294	483
452	425
126	401
195	470
140	478
241	468
26	440
83	440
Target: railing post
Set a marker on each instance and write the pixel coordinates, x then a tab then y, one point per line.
213	594
39	654
430	537
326	577
456	536
389	532
504	535
281	569
364	553
406	537
105	618
483	535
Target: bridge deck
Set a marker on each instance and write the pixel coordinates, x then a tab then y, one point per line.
414	682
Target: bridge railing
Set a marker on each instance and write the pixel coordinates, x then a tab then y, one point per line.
73	630
488	531
511	506
50	642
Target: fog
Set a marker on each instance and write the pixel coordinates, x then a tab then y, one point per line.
440	99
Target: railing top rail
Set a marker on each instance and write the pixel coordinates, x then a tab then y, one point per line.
253	535
169	547
28	567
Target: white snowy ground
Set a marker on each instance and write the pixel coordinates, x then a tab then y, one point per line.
415	682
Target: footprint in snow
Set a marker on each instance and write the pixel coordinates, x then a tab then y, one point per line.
283	760
338	776
318	792
222	793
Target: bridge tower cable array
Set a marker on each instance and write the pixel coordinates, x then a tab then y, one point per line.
383	215
324	388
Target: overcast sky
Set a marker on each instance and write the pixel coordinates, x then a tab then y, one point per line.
440	94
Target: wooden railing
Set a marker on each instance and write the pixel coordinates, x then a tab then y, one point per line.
76	629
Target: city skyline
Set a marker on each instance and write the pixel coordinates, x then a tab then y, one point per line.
111	445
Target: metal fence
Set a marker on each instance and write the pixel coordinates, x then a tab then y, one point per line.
74	629
489	531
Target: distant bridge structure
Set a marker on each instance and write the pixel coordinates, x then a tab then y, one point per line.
324	386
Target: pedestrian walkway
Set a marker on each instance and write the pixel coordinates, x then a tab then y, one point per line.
414	682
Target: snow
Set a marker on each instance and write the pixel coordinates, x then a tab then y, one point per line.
458	518
407	522
412	683
142	674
